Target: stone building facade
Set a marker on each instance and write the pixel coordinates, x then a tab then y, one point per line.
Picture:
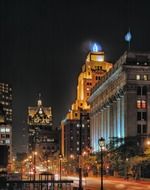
120	102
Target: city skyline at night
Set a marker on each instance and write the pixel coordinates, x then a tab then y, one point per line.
44	45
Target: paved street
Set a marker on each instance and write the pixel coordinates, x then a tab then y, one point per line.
110	183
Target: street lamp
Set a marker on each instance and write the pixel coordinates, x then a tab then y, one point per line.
30	164
60	159
101	143
34	162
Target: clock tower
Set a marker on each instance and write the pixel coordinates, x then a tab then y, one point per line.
41	133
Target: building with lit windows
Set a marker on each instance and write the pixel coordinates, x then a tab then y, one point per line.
6	101
93	70
6	123
120	102
41	134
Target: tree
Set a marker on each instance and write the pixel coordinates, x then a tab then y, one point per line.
121	150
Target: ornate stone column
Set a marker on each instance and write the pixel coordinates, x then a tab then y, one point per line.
118	118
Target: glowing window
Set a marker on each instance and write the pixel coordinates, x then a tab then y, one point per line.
2	130
138	77
138	104
145	77
7	141
143	104
7	130
78	125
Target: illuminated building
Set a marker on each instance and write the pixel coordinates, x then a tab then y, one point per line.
41	134
120	102
5	141
6	101
93	70
6	121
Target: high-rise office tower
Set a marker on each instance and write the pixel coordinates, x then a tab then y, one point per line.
6	122
6	101
93	70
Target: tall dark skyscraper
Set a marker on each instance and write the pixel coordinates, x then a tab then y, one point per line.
6	123
93	70
6	101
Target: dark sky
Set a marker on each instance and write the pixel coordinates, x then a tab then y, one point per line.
44	44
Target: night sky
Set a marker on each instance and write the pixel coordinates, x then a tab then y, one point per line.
44	44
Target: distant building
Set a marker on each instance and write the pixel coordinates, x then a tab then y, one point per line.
3	157
41	134
93	70
6	121
6	101
71	131
120	102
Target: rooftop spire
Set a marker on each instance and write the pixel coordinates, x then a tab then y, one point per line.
39	100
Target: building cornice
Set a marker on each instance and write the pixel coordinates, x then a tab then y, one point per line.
104	85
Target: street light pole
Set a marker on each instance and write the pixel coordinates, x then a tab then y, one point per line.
35	153
60	158
101	142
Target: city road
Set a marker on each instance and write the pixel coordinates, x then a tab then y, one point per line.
111	183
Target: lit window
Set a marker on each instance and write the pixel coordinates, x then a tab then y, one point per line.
145	77
138	77
143	105
7	141
138	104
2	130
78	125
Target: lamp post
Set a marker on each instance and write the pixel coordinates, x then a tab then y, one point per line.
34	162
60	159
30	164
101	143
